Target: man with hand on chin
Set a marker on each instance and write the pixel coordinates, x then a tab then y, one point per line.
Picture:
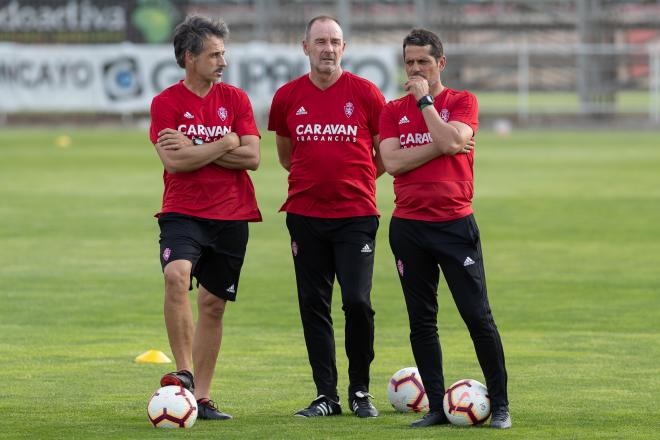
426	144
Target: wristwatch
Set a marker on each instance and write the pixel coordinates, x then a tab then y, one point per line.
424	101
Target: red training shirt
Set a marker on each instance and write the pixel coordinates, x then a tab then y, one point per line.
212	191
333	172
441	189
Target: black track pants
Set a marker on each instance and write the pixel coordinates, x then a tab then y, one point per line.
419	247
323	249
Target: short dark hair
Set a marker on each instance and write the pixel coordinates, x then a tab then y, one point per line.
422	37
319	18
191	34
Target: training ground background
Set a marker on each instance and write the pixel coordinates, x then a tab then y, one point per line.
570	223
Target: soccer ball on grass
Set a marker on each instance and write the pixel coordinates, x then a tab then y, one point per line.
466	403
405	391
172	407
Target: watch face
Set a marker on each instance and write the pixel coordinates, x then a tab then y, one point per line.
197	141
425	100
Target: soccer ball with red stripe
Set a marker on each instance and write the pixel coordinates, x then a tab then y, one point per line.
405	391
467	403
172	407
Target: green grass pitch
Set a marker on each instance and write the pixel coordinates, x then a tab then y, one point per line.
570	223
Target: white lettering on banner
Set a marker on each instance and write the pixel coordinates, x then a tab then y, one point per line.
264	72
58	74
120	78
72	16
414	139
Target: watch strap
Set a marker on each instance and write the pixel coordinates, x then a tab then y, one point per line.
425	101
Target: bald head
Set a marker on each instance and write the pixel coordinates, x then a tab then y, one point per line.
321	19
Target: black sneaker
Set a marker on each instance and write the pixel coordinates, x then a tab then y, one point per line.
361	405
208	410
431	418
321	406
500	419
181	378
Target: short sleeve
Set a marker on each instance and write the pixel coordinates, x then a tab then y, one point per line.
466	110
377	102
162	116
388	123
277	115
244	124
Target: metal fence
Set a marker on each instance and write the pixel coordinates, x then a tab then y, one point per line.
586	59
582	80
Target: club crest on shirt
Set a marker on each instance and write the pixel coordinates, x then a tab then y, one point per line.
222	113
399	266
444	114
348	109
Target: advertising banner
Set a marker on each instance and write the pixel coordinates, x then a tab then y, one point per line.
124	78
89	21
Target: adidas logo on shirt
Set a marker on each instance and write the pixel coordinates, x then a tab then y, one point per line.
231	289
366	249
301	111
188	115
468	262
404	120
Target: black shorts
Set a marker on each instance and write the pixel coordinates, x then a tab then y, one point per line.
216	249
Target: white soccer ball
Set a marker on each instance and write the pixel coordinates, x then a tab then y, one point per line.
172	407
467	403
405	391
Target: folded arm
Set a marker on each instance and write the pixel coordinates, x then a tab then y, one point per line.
244	157
399	160
180	155
448	137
